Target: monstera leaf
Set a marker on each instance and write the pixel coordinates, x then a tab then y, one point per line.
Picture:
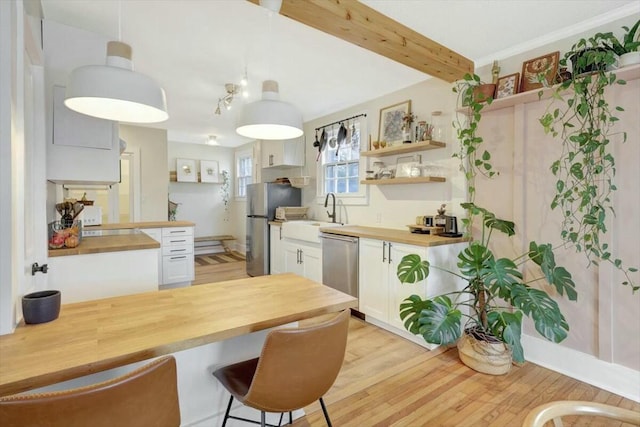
440	323
546	315
557	276
472	260
499	275
507	327
489	219
412	269
410	310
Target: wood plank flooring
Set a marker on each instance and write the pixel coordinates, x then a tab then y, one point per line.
388	381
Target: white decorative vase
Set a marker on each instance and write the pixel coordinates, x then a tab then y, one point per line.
629	58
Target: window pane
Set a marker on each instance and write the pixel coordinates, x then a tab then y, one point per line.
341	171
330	171
353	185
353	169
341	186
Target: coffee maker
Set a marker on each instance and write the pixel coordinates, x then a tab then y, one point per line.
451	227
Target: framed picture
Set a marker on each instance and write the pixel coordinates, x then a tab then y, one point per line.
546	65
186	170
209	171
391	122
507	85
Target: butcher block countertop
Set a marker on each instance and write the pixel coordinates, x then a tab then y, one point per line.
110	243
147	224
102	334
393	235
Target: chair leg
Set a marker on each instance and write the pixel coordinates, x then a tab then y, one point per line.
281	416
226	414
263	420
326	414
290	418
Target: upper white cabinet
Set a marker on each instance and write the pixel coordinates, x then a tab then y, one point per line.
289	153
82	149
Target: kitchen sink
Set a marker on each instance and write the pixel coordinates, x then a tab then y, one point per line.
305	230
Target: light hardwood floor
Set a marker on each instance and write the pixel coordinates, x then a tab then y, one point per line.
388	381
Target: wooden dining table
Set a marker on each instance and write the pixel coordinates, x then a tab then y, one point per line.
98	335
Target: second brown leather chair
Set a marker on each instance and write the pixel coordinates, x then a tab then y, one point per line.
146	397
296	367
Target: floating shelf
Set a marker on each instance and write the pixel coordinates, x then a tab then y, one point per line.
404	148
396	181
627	73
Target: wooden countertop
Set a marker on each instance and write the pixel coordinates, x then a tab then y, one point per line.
393	235
147	224
98	335
102	244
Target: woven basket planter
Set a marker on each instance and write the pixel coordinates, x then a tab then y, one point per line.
489	357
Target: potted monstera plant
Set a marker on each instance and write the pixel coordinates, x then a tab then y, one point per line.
485	317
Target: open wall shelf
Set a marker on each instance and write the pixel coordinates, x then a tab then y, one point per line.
403	149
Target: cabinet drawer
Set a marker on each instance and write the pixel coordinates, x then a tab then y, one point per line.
177	268
177	231
177	240
177	249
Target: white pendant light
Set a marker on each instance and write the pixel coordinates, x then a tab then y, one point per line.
270	118
114	91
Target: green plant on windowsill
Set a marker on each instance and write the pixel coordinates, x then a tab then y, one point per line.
491	306
582	118
630	41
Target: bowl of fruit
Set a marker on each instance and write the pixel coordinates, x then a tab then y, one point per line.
64	234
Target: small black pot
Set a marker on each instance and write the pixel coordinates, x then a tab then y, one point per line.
588	61
41	307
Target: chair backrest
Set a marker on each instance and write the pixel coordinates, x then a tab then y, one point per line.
298	366
145	397
554	411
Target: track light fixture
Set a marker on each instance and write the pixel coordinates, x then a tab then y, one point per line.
232	89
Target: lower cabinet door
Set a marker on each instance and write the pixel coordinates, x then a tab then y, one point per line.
292	258
177	269
373	287
312	263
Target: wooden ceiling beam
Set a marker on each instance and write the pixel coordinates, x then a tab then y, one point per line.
363	26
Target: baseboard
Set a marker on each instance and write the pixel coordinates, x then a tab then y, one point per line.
611	377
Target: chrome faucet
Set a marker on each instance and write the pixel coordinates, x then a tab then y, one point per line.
331	214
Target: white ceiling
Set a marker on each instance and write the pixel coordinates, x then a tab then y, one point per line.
193	47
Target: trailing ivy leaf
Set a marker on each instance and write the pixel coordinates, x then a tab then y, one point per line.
508	327
410	310
440	323
412	269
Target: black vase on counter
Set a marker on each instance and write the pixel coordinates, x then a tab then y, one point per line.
41	306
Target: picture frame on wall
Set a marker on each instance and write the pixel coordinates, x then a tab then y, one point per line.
546	65
209	171
507	85
391	122
186	170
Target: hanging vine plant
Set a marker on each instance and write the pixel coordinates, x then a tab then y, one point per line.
224	192
582	118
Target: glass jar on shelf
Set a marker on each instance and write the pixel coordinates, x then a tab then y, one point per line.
438	132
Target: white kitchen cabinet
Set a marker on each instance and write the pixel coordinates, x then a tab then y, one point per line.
380	291
282	153
156	234
82	149
175	258
303	259
276	257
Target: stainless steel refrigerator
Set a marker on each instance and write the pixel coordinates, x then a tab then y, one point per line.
262	201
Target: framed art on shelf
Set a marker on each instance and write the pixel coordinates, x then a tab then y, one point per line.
391	122
545	65
209	171
507	85
186	170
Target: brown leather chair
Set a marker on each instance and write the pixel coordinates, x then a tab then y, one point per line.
296	367
554	411
145	397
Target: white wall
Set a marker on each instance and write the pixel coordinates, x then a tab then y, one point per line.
154	178
202	203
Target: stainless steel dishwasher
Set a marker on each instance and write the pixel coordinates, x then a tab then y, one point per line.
340	262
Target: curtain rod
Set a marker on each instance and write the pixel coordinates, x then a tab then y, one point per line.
340	121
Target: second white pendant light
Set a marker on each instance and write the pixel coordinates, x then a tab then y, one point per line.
115	91
270	118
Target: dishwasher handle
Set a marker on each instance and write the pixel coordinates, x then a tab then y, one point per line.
338	237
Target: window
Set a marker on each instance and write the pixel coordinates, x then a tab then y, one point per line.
341	163
244	172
